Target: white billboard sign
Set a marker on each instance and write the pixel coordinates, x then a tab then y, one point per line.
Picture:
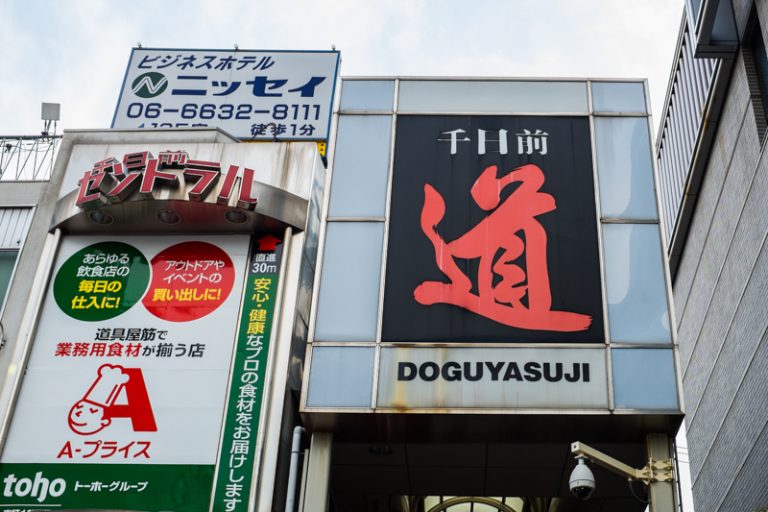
174	323
250	94
129	370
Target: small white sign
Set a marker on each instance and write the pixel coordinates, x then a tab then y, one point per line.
493	378
250	94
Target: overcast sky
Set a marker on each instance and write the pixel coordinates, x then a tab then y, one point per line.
75	52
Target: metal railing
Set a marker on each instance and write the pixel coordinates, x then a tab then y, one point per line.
683	120
27	157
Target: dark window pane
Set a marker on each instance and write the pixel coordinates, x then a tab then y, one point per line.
7	262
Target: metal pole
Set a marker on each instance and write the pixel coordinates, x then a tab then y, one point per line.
293	472
318	473
661	495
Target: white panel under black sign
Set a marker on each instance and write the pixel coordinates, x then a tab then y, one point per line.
535	378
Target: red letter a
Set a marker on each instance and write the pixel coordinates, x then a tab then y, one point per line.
138	407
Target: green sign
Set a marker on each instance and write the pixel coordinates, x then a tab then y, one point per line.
101	281
149	85
246	393
181	488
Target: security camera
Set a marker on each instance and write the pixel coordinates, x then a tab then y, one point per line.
582	481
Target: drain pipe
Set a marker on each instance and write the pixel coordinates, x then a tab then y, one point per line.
293	472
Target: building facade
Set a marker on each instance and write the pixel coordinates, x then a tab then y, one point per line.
195	324
411	385
711	160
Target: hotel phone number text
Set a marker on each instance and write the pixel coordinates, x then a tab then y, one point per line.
243	111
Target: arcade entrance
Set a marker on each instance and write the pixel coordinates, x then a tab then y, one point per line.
473	477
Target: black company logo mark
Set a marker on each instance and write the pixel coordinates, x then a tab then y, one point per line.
149	85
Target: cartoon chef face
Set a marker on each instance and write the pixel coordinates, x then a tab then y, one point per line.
89	414
87	417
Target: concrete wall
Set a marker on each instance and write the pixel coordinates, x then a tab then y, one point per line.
41	195
721	294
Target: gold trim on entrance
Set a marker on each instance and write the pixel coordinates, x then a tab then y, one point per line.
440	507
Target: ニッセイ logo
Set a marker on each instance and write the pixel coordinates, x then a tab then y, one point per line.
149	85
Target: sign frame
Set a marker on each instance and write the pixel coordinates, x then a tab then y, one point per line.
451	101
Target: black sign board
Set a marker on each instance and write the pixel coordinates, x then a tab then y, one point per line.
493	232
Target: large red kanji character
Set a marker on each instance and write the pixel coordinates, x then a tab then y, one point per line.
512	248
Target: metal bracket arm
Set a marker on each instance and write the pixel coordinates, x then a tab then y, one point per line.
654	471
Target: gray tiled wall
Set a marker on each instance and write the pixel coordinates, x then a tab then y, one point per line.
721	294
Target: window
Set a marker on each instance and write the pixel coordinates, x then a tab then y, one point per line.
7	262
756	67
14	225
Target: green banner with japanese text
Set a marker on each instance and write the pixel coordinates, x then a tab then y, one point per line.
246	393
151	487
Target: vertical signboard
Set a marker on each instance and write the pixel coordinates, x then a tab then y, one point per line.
251	94
123	396
246	392
493	232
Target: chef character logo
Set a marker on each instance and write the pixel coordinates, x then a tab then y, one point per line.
100	405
